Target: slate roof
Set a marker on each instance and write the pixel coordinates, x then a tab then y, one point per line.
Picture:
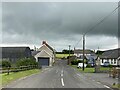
15	52
111	54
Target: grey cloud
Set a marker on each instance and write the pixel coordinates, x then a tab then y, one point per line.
33	22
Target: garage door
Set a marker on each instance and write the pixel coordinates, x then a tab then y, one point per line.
42	61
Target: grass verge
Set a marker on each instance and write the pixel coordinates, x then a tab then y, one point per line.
116	86
86	70
90	70
62	55
16	75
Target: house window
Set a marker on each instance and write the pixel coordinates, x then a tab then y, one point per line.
114	61
102	60
111	61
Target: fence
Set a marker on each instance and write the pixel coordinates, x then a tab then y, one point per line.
17	69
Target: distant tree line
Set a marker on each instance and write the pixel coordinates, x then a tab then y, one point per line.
65	51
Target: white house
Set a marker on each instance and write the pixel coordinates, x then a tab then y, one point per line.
45	55
111	56
79	53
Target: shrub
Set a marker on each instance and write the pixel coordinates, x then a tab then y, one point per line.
89	66
75	62
6	63
26	62
110	66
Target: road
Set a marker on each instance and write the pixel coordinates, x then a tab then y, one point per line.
59	76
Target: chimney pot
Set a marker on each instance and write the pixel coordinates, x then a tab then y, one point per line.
44	42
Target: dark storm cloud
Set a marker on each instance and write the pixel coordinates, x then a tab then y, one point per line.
33	22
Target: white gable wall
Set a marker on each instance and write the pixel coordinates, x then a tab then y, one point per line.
45	52
111	61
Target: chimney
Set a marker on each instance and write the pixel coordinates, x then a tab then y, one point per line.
44	42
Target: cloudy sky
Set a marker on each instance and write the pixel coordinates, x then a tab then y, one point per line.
60	24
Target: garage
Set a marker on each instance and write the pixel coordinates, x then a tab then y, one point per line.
43	61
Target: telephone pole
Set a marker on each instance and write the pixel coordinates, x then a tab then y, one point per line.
83	50
69	55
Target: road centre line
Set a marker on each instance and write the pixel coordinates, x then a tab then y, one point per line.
106	86
98	82
62	82
61	74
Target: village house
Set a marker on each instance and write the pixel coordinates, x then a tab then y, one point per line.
15	53
111	56
89	55
79	53
45	55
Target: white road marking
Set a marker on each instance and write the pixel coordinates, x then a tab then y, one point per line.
62	82
98	82
93	80
61	74
106	86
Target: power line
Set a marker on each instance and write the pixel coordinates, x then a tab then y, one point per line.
102	20
93	29
78	42
97	24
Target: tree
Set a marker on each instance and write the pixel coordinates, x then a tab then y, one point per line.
6	63
65	51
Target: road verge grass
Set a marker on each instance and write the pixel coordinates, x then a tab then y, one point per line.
16	75
91	70
63	55
86	70
116	86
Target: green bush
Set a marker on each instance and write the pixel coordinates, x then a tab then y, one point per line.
88	66
26	62
6	63
110	66
75	62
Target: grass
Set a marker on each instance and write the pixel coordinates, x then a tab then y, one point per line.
62	55
116	86
104	68
86	70
90	70
16	75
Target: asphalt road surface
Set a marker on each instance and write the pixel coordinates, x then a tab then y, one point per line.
59	76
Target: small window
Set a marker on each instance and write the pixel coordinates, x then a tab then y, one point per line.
102	60
111	61
114	61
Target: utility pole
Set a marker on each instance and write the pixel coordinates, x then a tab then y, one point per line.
69	55
83	50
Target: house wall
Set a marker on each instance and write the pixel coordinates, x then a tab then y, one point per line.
111	61
78	55
44	54
44	47
49	53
